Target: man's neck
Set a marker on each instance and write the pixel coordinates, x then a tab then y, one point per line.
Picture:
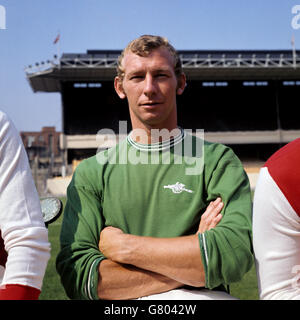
150	135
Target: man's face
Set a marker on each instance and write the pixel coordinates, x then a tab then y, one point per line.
150	85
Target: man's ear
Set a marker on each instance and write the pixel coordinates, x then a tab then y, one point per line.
119	87
181	84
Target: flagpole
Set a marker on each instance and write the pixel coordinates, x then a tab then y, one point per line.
294	51
58	45
58	48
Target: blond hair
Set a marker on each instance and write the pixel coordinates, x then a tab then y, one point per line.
143	46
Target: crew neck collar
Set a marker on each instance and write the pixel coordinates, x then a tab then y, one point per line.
158	146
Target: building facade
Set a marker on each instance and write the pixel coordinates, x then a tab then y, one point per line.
43	149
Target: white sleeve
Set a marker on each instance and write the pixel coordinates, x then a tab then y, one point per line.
276	241
21	223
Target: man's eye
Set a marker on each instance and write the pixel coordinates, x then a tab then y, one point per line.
161	75
136	77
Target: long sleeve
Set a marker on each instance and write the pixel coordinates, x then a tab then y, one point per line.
226	250
79	257
21	223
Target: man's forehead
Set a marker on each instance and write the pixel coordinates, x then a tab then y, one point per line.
158	58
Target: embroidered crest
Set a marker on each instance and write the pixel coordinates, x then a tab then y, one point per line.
178	188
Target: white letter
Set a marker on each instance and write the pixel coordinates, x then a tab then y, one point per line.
106	138
136	156
122	133
107	310
294	23
2	17
194	152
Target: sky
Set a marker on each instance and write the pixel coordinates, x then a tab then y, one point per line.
32	25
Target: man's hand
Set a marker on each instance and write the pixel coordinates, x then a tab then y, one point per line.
122	280
112	243
211	217
169	262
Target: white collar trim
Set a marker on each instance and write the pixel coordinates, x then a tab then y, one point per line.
158	146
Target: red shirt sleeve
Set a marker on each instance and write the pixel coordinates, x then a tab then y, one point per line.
284	167
18	292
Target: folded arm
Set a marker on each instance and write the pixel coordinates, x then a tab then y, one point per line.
138	266
121	281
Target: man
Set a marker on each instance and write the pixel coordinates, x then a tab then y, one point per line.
276	225
24	246
144	213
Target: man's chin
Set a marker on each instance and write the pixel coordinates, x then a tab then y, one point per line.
153	121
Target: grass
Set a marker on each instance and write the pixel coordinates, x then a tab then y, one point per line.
52	289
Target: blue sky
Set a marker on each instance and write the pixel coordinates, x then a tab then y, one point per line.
32	25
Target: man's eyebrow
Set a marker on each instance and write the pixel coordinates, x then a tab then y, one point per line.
135	72
142	71
162	70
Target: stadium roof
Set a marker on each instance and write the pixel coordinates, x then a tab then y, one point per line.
100	65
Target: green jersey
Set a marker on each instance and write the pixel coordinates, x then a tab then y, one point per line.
157	190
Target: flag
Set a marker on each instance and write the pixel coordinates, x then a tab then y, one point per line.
56	39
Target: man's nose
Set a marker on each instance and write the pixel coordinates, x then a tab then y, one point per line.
150	86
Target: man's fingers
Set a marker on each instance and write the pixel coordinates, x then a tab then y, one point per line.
213	208
215	221
211	217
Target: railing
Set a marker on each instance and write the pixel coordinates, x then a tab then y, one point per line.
196	60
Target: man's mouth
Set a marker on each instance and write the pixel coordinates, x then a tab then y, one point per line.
150	103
